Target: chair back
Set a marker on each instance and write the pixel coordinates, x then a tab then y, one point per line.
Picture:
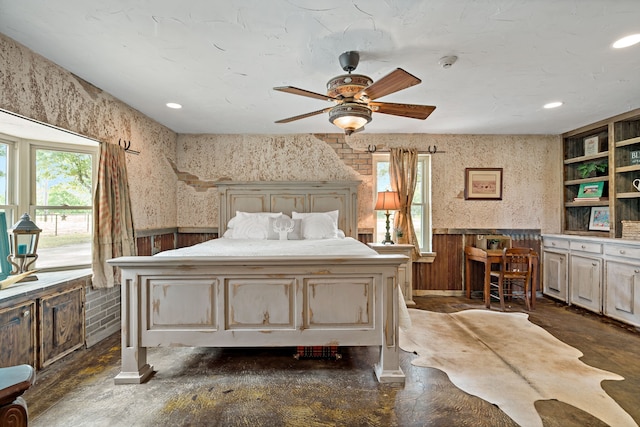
517	262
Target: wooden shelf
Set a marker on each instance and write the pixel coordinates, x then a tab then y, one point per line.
586	204
629	141
586	180
601	155
630	168
618	137
629	195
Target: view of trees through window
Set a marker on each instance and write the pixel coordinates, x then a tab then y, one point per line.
418	206
63	210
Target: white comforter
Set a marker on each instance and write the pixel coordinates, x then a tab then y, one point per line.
241	247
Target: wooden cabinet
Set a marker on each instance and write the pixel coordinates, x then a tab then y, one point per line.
405	270
555	274
602	274
61	324
41	324
623	279
586	281
18	334
616	139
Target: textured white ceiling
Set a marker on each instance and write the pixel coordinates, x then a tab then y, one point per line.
221	58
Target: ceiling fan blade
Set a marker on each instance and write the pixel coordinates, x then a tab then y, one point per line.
394	81
405	110
304	116
303	92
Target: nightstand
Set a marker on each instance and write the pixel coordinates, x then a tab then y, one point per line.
404	270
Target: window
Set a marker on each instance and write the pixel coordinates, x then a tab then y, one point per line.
421	206
63	208
53	182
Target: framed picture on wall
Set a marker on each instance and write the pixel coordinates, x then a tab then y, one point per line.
483	183
599	219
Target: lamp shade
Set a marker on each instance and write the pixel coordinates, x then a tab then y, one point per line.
350	116
387	201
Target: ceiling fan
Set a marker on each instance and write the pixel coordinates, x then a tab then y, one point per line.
354	95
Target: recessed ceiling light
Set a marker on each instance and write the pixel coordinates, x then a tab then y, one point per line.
555	104
174	105
627	41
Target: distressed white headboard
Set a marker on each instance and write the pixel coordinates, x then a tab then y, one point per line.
286	197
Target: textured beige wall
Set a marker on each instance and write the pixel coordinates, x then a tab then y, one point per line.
34	87
531	163
532	178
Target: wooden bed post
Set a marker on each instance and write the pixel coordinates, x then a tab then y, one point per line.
135	369
388	368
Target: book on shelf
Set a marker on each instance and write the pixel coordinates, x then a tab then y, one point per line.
635	157
590	190
590	199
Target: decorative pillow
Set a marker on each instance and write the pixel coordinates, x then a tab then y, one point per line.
318	225
285	228
250	225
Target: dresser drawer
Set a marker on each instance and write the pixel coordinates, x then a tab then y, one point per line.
550	242
594	248
623	251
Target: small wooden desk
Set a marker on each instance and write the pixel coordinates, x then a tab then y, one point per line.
488	257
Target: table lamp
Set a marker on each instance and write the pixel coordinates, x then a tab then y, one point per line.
389	201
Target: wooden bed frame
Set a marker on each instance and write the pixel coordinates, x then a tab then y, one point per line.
263	301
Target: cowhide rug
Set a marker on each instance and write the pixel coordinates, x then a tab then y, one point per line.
508	361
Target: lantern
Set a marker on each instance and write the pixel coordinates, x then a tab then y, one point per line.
23	244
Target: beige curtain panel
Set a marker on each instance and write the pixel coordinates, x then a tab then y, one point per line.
113	232
404	176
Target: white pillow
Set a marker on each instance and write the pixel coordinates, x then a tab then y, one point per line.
318	225
244	215
250	225
292	227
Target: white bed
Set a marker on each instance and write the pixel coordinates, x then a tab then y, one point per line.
251	293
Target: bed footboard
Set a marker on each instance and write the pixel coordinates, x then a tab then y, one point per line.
256	302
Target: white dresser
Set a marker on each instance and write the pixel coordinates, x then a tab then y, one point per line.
599	274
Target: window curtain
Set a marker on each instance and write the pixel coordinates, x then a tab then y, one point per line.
404	176
113	232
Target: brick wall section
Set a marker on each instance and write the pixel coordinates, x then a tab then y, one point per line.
102	313
360	161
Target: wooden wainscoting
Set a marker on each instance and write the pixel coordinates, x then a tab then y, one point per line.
446	274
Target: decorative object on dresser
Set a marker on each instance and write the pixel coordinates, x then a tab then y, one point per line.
23	244
387	201
483	183
636	184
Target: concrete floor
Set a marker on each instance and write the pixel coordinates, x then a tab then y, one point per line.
268	387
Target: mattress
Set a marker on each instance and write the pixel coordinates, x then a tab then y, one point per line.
254	247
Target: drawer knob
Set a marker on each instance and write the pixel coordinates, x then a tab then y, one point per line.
26	313
553	243
583	246
622	251
636	271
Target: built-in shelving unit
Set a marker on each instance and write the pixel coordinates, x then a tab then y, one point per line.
616	139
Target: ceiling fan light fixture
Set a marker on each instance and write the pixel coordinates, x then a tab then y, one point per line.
350	116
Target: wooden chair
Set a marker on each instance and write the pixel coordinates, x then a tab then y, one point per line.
514	277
